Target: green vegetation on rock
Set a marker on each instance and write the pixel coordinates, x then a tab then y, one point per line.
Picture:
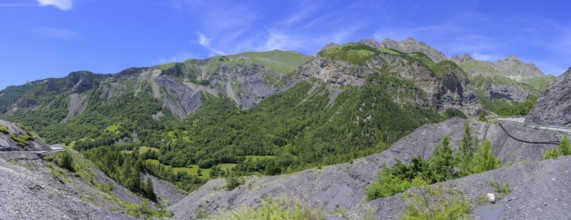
4	130
563	149
353	53
445	164
274	209
437	203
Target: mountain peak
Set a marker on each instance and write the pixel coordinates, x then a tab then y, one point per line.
461	59
370	42
410	45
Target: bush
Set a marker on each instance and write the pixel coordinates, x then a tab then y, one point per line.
435	203
64	159
232	182
452	112
563	149
503	189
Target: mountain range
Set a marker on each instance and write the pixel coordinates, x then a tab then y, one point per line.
270	113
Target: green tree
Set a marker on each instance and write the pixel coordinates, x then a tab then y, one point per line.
149	191
442	162
484	159
467	145
387	185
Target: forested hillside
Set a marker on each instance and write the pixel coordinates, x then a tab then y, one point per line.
252	113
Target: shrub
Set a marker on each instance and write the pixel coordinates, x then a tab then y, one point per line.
64	159
563	149
386	186
502	189
232	182
452	112
435	203
21	141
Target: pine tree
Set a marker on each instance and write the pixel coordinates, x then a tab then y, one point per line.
149	191
443	162
484	159
467	145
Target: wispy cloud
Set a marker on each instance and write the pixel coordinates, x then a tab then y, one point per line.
57	33
17	4
205	42
178	57
63	5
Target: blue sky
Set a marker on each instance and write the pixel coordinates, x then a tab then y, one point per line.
50	38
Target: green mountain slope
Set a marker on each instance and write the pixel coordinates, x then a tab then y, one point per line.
264	112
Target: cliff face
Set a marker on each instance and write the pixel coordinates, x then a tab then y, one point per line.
441	85
553	107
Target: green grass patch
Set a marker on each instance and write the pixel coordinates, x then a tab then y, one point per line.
353	53
282	62
205	173
541	83
166	66
482	67
226	166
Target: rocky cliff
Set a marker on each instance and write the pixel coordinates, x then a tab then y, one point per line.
440	85
553	107
342	186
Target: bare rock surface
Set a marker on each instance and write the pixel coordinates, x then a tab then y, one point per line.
26	194
166	190
343	185
7	142
539	191
553	107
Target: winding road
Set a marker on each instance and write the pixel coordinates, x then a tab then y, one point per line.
521	120
30	155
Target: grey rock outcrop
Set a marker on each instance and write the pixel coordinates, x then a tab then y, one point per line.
513	68
553	107
343	186
461	59
448	90
507	92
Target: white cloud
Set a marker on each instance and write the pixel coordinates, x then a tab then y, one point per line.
63	5
57	33
205	42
